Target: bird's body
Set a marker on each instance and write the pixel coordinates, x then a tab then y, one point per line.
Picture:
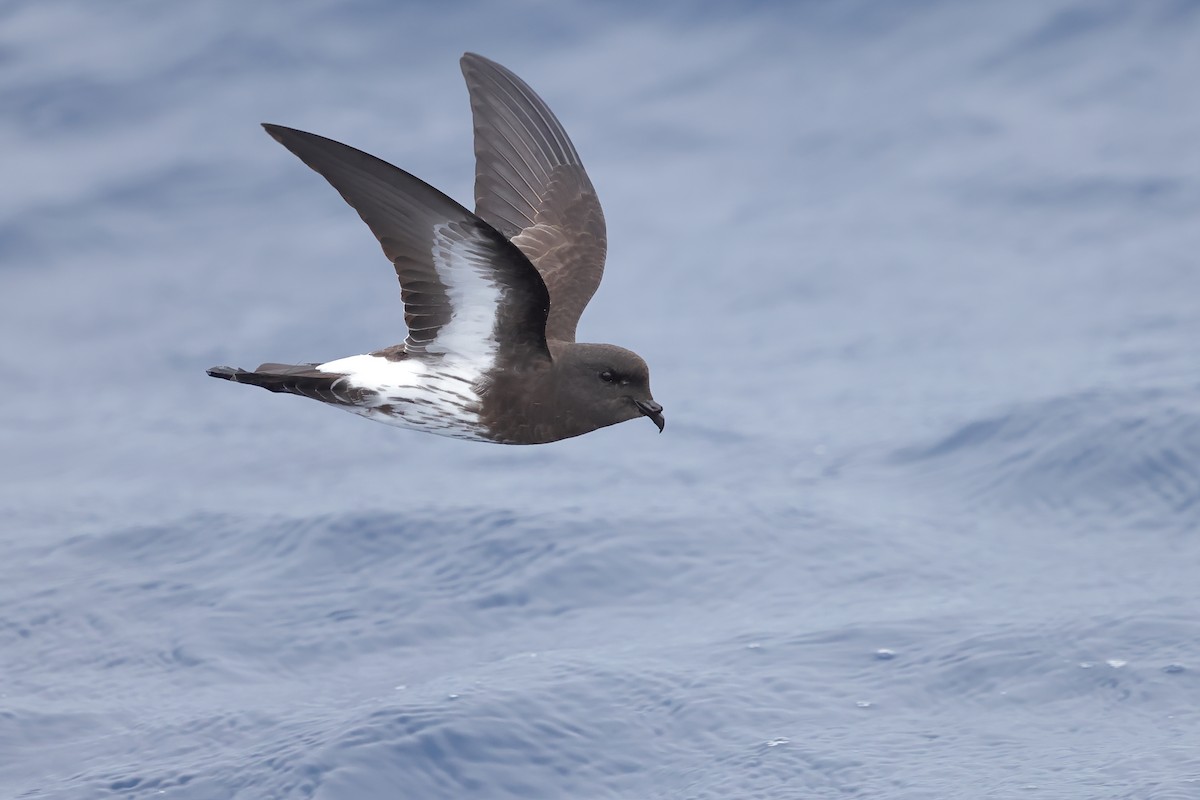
491	298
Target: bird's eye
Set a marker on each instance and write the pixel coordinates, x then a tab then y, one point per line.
607	376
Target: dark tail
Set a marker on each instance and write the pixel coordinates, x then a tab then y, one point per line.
302	379
226	373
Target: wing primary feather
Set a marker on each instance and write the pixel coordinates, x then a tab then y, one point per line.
455	270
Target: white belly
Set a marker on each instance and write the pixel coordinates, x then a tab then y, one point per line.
411	393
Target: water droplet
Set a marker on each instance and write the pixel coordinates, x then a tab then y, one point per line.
452	696
884	654
400	687
1173	669
863	704
1086	665
777	742
1116	663
753	646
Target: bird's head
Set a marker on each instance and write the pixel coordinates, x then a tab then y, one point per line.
610	382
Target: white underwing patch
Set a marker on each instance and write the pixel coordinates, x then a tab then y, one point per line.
464	267
435	391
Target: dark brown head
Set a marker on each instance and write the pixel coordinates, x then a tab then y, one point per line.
602	384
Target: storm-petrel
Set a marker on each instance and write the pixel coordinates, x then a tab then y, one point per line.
491	299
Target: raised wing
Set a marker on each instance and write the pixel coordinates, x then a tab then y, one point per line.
466	289
531	186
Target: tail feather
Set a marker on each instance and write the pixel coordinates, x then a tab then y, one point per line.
227	373
302	379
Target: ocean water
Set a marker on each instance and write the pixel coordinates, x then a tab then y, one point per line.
919	287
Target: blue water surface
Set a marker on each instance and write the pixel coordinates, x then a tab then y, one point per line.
919	287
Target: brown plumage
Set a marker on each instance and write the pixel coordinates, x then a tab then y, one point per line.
531	186
492	298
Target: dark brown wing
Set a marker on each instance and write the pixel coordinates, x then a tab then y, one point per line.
531	186
466	289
